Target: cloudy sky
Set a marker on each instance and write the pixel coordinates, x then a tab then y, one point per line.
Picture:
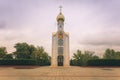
92	24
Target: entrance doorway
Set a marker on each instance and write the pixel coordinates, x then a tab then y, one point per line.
60	60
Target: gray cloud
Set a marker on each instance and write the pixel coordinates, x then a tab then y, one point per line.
100	42
98	39
91	22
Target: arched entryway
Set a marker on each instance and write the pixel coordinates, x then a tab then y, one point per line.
60	60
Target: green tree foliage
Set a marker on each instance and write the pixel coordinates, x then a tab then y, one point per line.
23	51
117	56
3	52
26	51
80	58
111	54
41	56
88	55
77	58
8	56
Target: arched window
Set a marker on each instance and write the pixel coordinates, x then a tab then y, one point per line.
60	42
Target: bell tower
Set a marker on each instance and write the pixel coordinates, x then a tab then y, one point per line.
60	20
60	43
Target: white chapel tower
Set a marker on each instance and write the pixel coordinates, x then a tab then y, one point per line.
60	44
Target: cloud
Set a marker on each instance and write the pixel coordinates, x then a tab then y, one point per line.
105	37
89	22
100	43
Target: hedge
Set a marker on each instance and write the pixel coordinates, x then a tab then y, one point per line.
24	62
18	62
75	63
104	62
43	63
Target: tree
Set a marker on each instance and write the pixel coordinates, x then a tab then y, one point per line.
23	51
80	58
109	54
88	55
77	58
26	51
117	55
32	48
3	52
8	56
41	56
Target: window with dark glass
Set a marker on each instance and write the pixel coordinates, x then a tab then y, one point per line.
60	50
60	42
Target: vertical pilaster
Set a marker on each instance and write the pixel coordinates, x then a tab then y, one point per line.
54	51
66	51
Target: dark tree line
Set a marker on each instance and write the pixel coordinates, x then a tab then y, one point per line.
111	54
26	51
82	58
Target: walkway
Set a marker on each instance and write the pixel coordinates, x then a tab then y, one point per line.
59	73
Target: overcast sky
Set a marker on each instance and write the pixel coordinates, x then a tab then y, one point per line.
93	25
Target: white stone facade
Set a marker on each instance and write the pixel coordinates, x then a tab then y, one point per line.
60	45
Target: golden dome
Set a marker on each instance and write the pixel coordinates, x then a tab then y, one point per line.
60	17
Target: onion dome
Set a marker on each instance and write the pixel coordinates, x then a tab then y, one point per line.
60	17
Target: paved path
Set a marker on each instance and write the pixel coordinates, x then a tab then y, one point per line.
59	73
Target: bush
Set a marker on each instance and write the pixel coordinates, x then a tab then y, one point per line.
104	62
